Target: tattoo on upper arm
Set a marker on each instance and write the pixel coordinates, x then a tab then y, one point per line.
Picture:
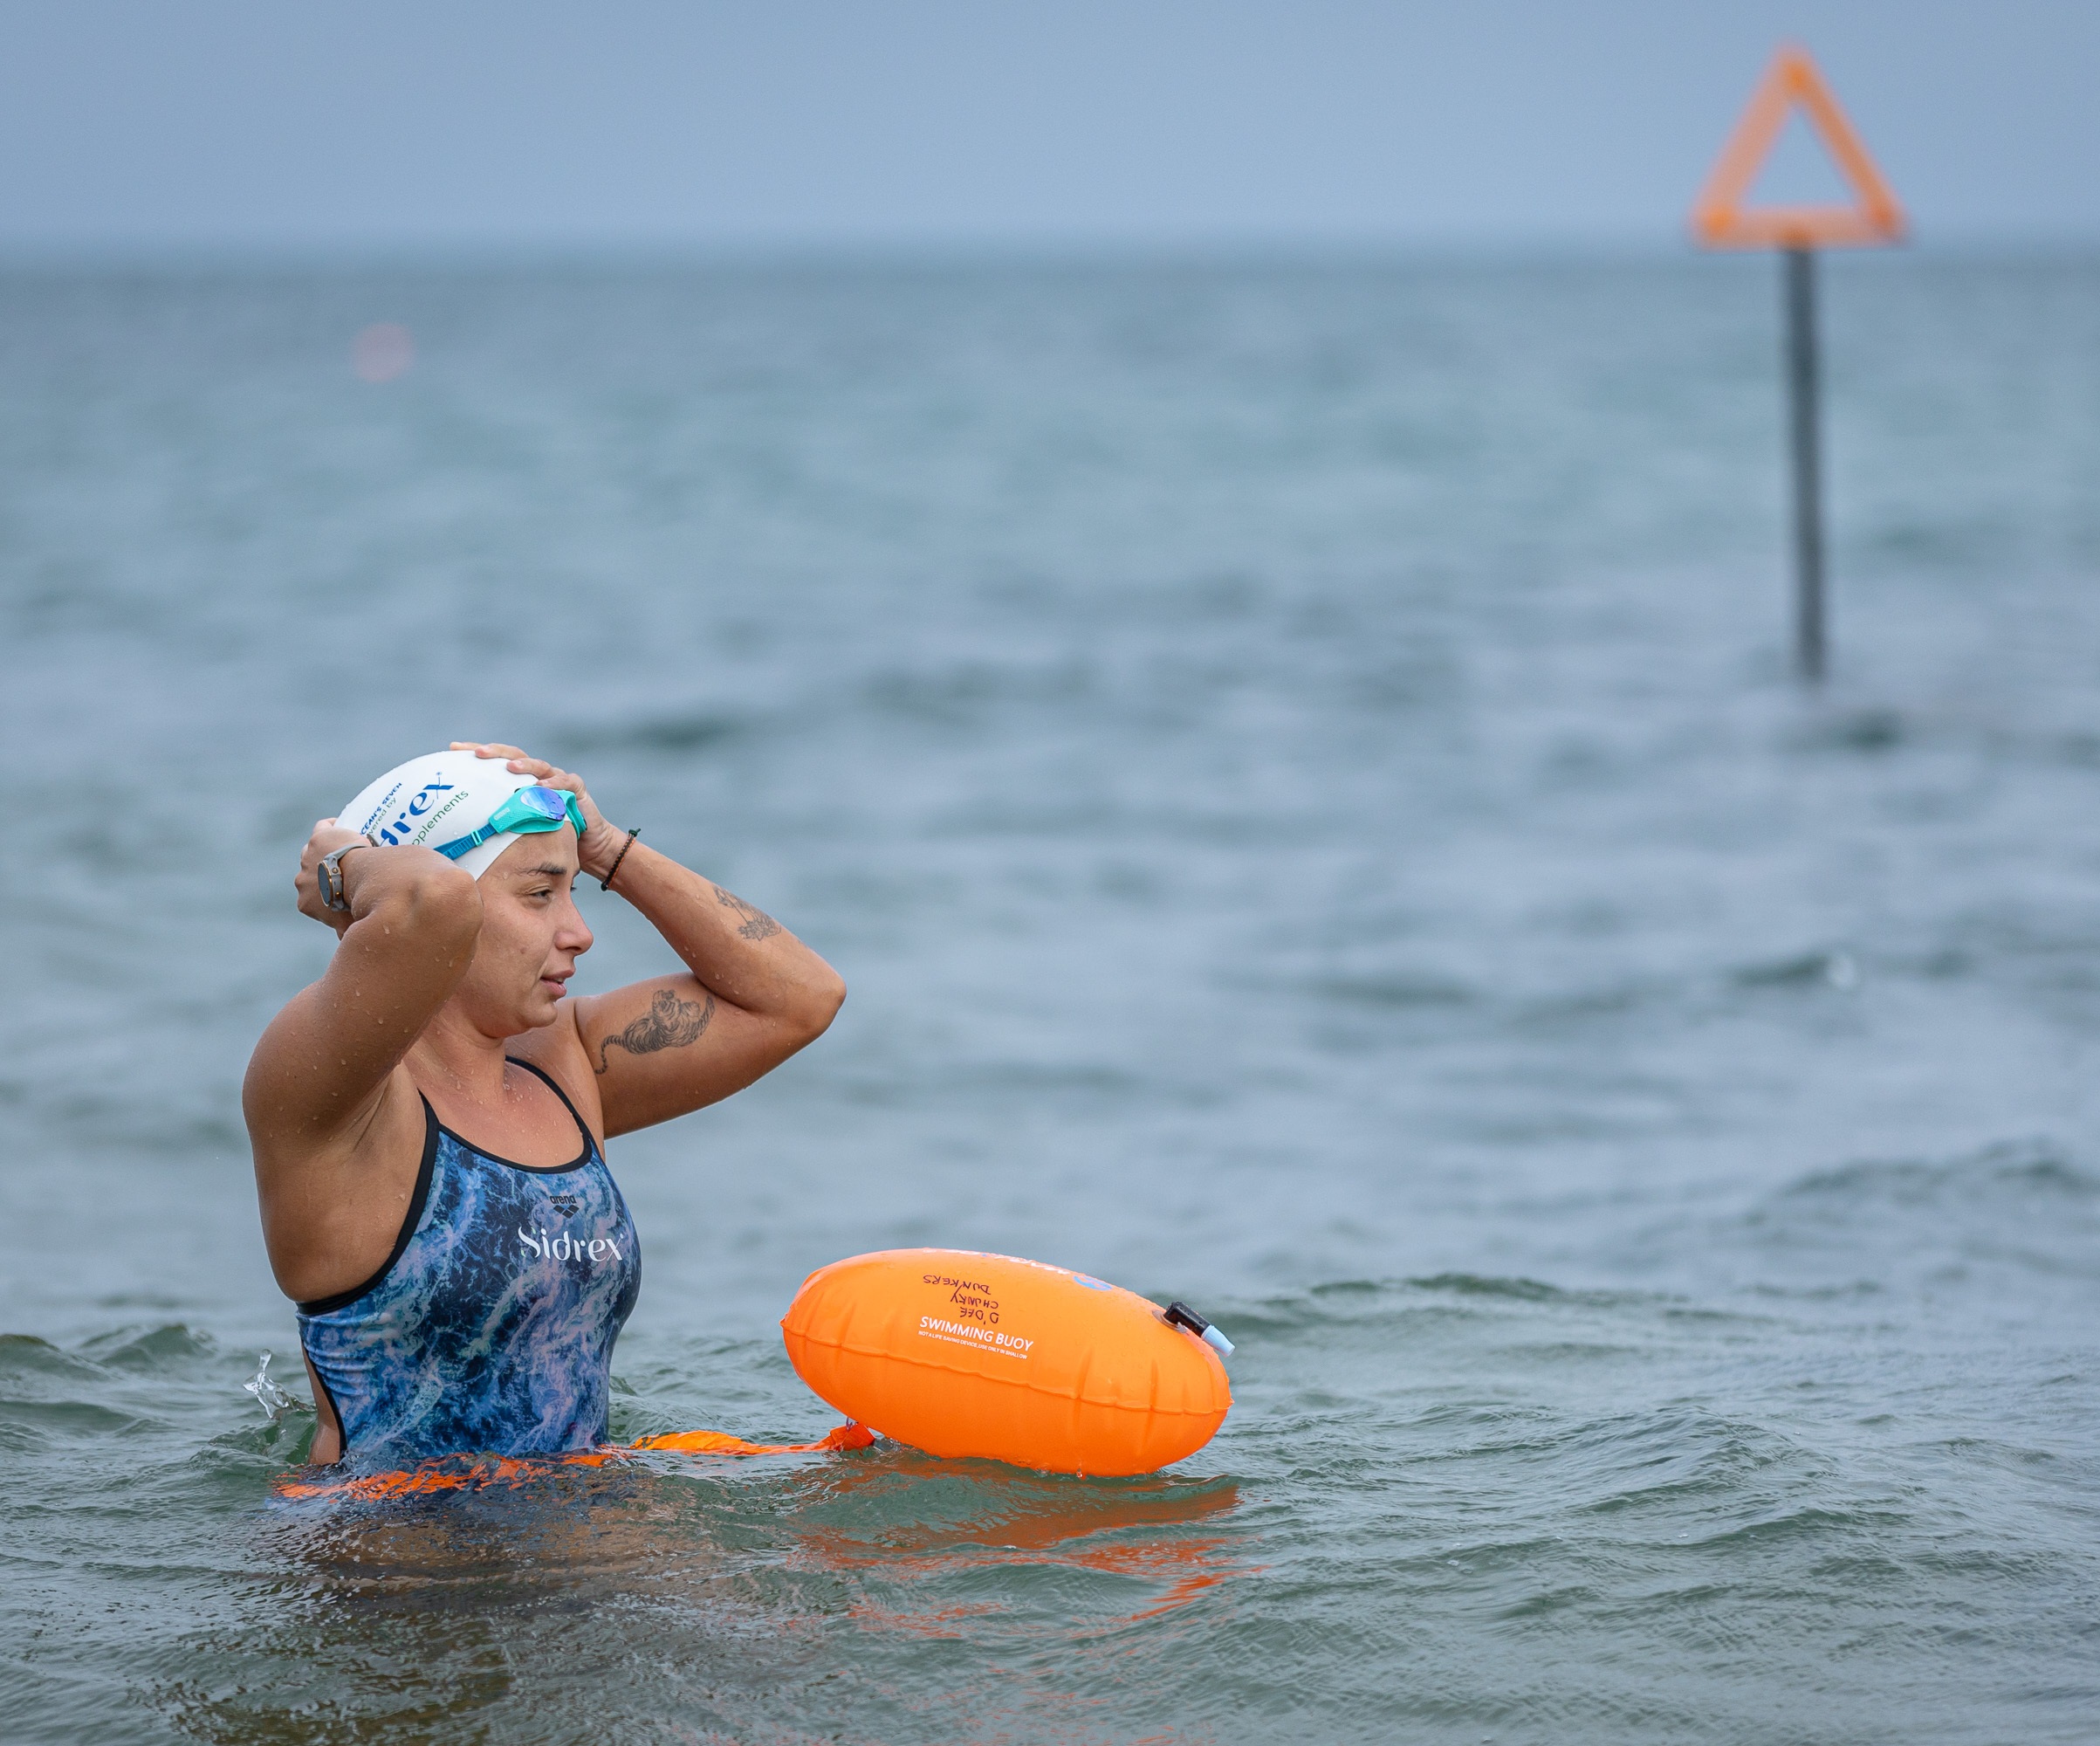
670	1023
756	924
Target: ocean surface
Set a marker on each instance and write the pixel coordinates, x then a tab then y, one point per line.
1298	764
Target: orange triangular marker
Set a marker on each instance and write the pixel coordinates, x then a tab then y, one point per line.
1718	219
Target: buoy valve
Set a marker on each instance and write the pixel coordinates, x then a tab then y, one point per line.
1181	1317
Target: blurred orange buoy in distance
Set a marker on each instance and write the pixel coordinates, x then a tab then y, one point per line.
383	352
965	1354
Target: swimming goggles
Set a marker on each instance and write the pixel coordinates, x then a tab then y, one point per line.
525	812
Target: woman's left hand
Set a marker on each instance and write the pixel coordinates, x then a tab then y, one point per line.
601	842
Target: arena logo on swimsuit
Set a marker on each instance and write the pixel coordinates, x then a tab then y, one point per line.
541	1246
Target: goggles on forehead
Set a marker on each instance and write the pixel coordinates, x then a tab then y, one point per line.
525	812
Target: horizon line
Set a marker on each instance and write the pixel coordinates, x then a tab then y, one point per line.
959	249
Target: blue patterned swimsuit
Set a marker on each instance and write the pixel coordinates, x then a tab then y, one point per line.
491	1328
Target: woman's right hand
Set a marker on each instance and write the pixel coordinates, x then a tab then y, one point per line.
327	837
322	1097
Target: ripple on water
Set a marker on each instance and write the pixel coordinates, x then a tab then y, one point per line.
1294	760
1416	1472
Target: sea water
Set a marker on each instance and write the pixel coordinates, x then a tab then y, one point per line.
1298	763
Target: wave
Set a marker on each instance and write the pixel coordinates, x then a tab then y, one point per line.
170	1391
696	730
2013	1172
1955	1226
1346	1318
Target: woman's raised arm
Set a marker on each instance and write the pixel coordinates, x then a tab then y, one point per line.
752	994
407	939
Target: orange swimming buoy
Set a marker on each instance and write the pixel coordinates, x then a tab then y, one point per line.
959	1353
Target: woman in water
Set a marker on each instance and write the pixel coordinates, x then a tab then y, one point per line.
429	1119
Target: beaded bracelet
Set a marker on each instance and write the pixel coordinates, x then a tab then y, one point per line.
606	883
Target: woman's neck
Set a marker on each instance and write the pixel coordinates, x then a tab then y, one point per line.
456	1055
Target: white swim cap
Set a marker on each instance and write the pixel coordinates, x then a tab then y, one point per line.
435	800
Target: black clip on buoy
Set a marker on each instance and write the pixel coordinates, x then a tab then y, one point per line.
1181	1317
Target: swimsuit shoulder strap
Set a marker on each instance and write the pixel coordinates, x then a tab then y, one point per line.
590	1140
410	1219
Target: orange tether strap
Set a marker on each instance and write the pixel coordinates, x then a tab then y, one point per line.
445	1474
846	1436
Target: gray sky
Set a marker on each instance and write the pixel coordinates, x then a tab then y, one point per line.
211	122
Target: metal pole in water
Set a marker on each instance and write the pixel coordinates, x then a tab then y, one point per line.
1804	422
1720	220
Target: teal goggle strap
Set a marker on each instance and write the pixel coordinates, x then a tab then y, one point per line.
527	811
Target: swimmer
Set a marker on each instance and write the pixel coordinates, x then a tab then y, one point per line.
429	1120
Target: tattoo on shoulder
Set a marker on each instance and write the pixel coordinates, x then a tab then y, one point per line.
670	1023
756	924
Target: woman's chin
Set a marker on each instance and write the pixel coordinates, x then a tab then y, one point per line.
535	1013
